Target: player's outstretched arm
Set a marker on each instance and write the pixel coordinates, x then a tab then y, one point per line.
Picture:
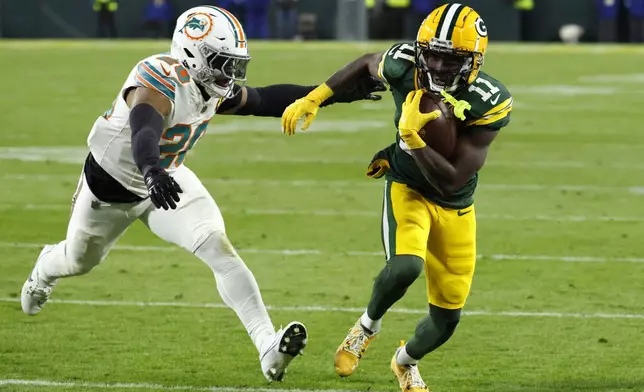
364	67
271	101
147	111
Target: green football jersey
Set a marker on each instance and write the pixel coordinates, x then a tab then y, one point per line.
491	106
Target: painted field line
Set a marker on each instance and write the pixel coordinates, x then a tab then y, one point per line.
149	386
368	214
358	253
335	184
305	308
490	163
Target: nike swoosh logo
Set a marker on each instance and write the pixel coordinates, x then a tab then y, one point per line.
165	71
461	212
496	99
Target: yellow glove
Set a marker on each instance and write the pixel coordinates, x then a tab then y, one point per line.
379	165
412	120
306	108
459	106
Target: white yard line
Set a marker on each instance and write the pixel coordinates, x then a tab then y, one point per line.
317	309
352	213
358	253
149	386
76	154
636	190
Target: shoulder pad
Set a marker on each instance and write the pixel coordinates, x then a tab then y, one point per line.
395	62
161	73
491	102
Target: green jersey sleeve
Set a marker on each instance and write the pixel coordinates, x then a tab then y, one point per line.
491	103
396	64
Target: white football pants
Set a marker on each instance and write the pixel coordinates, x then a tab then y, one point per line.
196	225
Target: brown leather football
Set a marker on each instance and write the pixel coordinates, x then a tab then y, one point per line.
441	133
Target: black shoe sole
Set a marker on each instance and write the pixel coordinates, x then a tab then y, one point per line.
294	340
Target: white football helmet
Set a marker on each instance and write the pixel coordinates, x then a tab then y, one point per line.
211	44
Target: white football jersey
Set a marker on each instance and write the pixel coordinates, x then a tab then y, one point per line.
110	138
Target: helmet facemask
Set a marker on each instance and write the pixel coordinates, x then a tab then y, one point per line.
221	72
443	67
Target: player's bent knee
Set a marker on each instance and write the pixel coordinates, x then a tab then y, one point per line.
446	320
216	241
220	255
406	268
85	251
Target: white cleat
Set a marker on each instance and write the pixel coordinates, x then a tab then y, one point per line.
35	292
289	343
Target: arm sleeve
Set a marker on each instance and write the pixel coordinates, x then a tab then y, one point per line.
269	101
147	126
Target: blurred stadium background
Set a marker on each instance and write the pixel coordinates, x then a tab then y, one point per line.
557	299
512	20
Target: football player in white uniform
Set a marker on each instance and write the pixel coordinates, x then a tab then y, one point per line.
135	171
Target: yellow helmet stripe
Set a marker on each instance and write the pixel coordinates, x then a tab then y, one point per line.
448	21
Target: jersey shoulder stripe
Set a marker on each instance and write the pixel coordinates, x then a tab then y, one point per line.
148	75
495	114
491	102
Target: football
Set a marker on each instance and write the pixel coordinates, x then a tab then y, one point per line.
441	133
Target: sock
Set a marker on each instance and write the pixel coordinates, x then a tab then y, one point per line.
432	331
392	283
403	357
238	288
372	325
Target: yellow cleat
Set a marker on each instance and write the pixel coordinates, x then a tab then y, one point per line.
348	355
408	376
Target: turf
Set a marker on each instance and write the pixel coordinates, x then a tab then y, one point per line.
557	299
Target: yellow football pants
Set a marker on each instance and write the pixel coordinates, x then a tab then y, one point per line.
444	238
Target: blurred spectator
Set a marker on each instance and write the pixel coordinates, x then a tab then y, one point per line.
524	5
159	17
524	8
257	18
105	10
388	18
286	18
636	20
608	11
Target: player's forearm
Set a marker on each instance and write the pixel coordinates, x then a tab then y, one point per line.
269	101
147	125
437	170
350	73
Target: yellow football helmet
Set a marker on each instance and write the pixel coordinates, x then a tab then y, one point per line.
450	47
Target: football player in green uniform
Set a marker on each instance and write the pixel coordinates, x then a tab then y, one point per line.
428	219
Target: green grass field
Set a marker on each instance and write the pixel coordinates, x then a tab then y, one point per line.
557	299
